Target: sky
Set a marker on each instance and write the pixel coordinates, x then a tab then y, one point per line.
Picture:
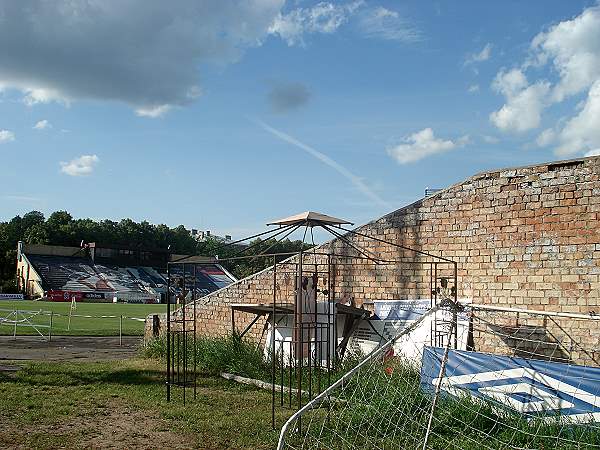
226	114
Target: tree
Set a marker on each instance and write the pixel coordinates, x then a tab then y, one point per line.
36	234
61	229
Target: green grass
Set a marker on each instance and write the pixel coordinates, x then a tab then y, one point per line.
81	326
385	410
122	405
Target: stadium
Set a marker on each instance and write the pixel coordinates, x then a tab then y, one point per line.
95	273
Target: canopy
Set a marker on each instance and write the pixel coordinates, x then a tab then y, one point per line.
311	219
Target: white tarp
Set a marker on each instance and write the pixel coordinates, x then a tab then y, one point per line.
392	316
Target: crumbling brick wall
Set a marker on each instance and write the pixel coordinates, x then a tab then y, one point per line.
524	237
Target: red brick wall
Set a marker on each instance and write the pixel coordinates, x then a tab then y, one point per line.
525	237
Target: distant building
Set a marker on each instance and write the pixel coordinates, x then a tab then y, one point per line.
106	272
201	236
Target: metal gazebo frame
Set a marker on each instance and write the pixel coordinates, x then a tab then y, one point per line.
310	354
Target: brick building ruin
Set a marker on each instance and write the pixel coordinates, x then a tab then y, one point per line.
525	237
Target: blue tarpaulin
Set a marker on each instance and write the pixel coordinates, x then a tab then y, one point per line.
531	387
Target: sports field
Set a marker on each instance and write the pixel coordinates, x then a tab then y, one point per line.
41	313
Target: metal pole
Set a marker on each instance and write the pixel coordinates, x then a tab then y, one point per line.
435	301
121	330
273	368
15	328
300	357
168	332
50	330
184	335
455	311
195	342
438	386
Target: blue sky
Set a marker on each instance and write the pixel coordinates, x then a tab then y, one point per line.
222	115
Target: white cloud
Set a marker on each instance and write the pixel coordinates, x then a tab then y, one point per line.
6	136
582	132
546	137
42	125
573	48
323	18
595	152
422	144
36	95
84	165
327	17
382	23
144	53
481	56
473	88
524	103
154	111
510	83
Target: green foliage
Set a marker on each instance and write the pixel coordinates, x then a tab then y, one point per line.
62	229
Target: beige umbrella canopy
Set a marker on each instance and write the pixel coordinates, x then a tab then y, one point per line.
311	219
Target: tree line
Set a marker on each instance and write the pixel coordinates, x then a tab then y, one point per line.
60	228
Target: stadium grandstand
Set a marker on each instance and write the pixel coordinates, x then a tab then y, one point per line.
107	273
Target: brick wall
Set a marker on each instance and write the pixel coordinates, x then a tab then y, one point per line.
523	237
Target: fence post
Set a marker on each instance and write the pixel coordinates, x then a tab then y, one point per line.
120	330
50	330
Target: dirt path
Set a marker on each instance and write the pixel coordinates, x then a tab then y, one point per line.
111	425
67	348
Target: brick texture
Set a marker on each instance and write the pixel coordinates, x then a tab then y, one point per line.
524	237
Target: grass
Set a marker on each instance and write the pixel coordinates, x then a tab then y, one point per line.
81	326
122	404
391	410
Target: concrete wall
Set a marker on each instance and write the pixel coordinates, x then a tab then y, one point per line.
523	237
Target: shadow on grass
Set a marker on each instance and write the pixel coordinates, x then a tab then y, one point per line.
80	375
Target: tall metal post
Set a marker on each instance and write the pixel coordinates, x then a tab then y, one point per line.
195	339
435	302
300	355
273	356
184	334
168	332
455	309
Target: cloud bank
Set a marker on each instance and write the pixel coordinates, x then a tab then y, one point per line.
570	50
145	53
148	53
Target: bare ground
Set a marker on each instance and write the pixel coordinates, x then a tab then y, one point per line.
67	348
111	425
